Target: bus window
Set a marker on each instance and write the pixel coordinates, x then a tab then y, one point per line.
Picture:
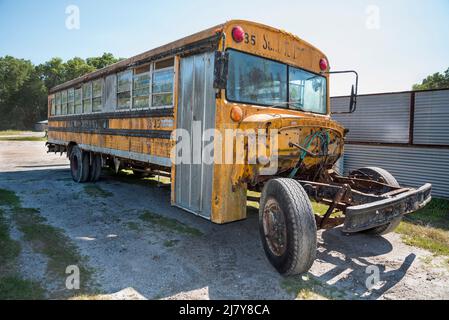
141	87
97	90
124	82
58	103
78	101
162	88
256	80
87	97
52	106
71	101
64	102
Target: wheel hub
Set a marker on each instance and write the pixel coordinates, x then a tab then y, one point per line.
275	228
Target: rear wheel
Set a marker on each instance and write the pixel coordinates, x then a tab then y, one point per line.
287	226
95	168
79	165
383	176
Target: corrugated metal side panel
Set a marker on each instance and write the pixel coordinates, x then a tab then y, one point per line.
432	118
110	93
411	166
378	118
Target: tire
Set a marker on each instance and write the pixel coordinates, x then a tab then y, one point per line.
79	165
285	203
95	168
378	174
383	176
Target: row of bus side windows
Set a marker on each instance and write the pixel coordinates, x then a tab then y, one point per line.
143	87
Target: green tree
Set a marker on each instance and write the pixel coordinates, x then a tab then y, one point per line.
435	81
105	60
75	68
52	72
24	87
22	94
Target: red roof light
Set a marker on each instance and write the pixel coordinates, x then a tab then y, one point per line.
323	64
238	34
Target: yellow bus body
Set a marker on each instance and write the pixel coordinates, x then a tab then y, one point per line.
144	135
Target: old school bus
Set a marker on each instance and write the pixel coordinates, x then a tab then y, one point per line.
238	76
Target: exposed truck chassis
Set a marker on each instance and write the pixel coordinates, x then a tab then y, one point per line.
377	205
364	203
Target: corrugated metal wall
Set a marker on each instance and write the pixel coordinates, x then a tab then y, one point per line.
378	118
410	166
431	118
415	152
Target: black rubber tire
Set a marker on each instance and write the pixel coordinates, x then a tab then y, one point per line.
383	176
79	165
301	235
95	168
378	174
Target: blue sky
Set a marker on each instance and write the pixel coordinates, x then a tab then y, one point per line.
409	40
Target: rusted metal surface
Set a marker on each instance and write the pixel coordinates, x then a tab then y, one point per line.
207	38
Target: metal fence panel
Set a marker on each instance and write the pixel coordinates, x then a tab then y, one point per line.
378	118
411	166
431	124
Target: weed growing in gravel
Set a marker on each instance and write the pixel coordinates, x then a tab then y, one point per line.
133	226
96	191
9	248
49	241
9	198
16	288
169	224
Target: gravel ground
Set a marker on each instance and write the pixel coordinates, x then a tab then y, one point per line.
135	258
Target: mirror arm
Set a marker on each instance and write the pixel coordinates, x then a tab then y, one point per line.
353	106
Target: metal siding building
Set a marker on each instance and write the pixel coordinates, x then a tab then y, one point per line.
431	118
405	133
378	118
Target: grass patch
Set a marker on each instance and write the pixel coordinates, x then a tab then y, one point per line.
428	228
10	132
433	239
9	248
16	288
23	138
51	242
96	191
9	198
435	214
170	224
308	288
170	243
133	226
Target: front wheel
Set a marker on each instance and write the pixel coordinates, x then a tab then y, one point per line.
287	226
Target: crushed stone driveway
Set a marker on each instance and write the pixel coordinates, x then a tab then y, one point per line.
127	252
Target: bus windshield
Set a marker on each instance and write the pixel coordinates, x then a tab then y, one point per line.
260	81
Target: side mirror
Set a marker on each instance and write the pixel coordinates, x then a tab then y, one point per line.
352	101
221	69
354	90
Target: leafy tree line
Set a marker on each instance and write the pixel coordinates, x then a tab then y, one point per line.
435	81
24	87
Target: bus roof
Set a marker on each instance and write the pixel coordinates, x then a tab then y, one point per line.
208	38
